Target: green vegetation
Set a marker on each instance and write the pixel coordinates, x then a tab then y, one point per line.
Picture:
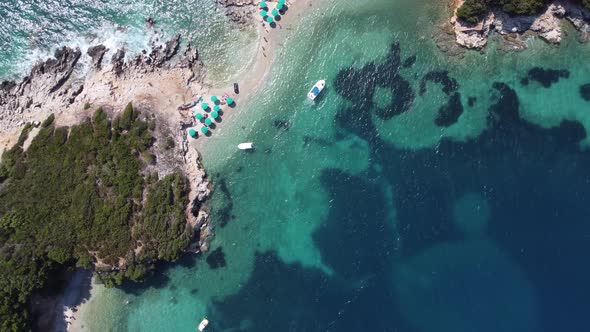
473	10
75	195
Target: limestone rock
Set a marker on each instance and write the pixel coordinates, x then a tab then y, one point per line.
97	53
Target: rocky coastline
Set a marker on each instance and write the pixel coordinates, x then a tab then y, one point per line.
515	29
55	86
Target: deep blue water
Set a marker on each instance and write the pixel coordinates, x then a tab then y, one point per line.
528	273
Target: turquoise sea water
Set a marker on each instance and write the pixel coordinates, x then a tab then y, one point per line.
421	192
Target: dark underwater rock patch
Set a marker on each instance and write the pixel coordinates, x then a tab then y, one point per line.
546	77
216	259
281	124
449	114
224	215
401	99
409	62
471	101
585	91
506	107
358	86
449	84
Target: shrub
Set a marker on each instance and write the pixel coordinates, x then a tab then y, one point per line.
472	10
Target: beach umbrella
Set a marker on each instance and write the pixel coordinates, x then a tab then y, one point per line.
269	19
199	116
214	99
263	13
205	130
281	2
229	100
217	108
262	4
192	132
214	114
204	106
208	121
280	5
275	12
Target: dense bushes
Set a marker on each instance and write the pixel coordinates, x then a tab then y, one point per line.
77	191
473	10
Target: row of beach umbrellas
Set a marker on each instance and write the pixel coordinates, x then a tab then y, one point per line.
275	12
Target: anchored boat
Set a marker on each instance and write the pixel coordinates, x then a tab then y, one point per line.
203	324
317	88
246	146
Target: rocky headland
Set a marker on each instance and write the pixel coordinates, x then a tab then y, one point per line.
156	81
515	29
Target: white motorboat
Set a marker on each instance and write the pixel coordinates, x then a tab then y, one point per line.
317	88
203	324
246	146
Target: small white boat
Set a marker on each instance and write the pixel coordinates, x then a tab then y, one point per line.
246	146
203	324
317	88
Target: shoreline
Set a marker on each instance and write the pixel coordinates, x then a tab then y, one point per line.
161	90
259	68
514	30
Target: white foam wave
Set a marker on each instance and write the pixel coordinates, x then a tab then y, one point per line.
132	39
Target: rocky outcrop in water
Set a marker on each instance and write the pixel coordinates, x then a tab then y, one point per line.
239	11
97	54
546	25
46	80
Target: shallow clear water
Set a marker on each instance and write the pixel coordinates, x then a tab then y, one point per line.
357	213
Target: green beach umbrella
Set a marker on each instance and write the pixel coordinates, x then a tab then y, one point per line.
262	4
208	121
217	108
275	12
281	2
192	132
280	5
199	116
229	100
204	106
269	19
205	130
214	99
263	13
214	115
